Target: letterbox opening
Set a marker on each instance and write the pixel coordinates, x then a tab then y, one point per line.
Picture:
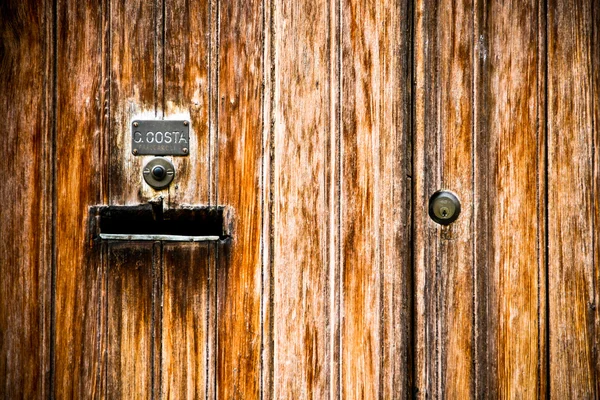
145	222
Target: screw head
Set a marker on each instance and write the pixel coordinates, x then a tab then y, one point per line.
136	124
185	150
186	123
135	152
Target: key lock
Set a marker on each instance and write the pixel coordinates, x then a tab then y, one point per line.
444	207
160	138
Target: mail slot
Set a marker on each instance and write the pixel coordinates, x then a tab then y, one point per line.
149	222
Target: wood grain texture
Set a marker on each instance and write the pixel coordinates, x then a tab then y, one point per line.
184	321
80	127
131	318
443	145
186	95
189	285
134	93
572	200
302	204
310	125
239	162
595	49
375	199
26	192
510	198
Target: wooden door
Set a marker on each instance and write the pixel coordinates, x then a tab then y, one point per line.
321	128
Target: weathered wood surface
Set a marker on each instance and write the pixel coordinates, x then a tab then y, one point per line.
80	346
26	193
134	90
303	207
375	199
132	315
187	90
573	103
510	199
239	154
325	127
184	364
443	159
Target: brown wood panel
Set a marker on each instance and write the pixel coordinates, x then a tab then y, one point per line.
189	270
510	200
80	103
26	192
186	94
375	199
443	145
572	200
184	320
132	270
239	152
134	92
303	208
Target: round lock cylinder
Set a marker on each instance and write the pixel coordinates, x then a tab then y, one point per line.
444	207
159	173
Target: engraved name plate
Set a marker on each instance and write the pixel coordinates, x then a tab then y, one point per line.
160	138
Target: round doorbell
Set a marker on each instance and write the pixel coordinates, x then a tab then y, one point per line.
159	173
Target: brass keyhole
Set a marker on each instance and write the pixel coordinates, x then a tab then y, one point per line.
444	207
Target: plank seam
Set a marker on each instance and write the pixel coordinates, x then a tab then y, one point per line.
216	186
474	120
163	57
272	33
593	28
210	331
543	293
266	218
339	136
546	200
409	167
54	53
413	390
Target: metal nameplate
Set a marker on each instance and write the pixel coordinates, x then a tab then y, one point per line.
160	138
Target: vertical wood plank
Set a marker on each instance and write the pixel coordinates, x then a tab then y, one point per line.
186	94
443	140
26	191
80	100
184	322
375	199
595	47
239	152
187	366
510	199
136	91
131	273
133	93
571	200
303	208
